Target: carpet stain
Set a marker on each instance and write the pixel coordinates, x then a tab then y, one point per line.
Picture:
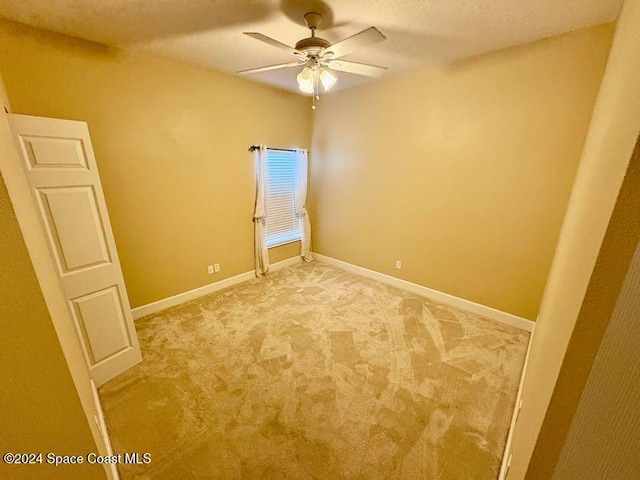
316	373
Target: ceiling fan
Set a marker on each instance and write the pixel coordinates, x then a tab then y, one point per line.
318	56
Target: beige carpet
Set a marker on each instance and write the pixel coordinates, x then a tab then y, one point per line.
314	372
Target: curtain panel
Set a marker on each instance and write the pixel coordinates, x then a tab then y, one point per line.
261	254
302	159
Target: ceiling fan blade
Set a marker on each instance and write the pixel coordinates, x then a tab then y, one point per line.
274	43
271	67
365	37
357	68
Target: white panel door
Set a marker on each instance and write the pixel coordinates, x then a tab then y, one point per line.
59	165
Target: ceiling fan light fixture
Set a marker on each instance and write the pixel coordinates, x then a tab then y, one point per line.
305	80
328	79
305	87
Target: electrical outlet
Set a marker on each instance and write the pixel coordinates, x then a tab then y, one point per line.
210	269
216	267
398	264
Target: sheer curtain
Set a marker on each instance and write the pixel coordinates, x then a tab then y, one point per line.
261	254
301	209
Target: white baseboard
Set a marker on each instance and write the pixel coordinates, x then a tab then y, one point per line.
169	302
467	305
506	456
483	310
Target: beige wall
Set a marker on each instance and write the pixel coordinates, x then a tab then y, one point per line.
543	421
171	144
39	407
463	172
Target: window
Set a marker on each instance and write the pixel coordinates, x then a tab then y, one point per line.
283	225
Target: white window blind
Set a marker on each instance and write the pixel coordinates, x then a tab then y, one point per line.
283	225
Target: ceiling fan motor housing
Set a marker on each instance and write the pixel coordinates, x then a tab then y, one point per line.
312	43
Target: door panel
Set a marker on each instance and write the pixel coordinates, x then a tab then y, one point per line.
100	320
74	227
60	168
43	152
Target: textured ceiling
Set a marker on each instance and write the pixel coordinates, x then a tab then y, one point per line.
209	32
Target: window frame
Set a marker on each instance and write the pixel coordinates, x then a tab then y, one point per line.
277	242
